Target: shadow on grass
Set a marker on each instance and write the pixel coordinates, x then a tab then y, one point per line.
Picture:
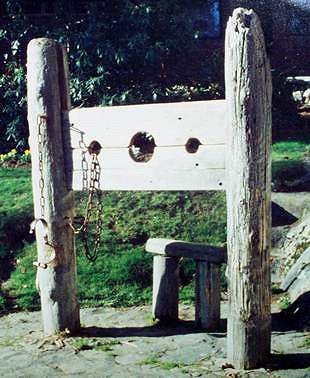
290	176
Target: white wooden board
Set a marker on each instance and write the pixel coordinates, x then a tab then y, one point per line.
171	125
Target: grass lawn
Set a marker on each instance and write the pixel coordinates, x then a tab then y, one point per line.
290	150
122	274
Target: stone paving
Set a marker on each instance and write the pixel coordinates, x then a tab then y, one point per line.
124	343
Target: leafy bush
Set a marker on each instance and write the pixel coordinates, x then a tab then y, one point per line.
14	158
2	303
13	120
119	52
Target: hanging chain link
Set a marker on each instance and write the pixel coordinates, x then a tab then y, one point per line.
94	200
42	119
94	206
42	126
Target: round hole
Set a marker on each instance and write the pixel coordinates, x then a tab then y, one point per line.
94	148
220	183
192	145
197	164
141	147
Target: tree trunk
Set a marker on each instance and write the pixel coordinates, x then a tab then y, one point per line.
248	95
48	98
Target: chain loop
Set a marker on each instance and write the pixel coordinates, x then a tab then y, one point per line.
94	203
42	125
42	119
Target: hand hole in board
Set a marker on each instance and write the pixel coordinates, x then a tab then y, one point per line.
141	147
192	145
94	148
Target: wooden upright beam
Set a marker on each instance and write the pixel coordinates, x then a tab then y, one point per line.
47	99
248	95
165	288
207	295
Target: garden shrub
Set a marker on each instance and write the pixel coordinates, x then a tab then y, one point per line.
120	52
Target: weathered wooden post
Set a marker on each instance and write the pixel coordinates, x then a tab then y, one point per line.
248	94
207	295
48	98
165	288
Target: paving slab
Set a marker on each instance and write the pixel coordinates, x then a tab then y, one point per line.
124	343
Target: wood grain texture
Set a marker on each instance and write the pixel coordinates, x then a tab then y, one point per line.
47	97
248	95
165	288
207	295
177	248
171	125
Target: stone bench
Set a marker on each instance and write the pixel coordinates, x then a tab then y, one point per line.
166	280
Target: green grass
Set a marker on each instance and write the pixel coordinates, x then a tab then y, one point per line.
150	361
306	342
165	365
290	150
122	274
93	344
288	163
2	302
15	208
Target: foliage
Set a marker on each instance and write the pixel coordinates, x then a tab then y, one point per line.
14	158
13	124
2	303
126	52
119	52
284	302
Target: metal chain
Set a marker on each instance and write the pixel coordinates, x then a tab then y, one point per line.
94	202
42	119
42	125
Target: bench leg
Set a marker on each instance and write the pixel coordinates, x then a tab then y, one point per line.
165	288
207	292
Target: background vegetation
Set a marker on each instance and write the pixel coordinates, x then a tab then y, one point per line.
119	52
124	52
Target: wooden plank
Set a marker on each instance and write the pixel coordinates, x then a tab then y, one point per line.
56	275
170	124
207	295
171	166
176	248
169	169
169	180
248	94
165	288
